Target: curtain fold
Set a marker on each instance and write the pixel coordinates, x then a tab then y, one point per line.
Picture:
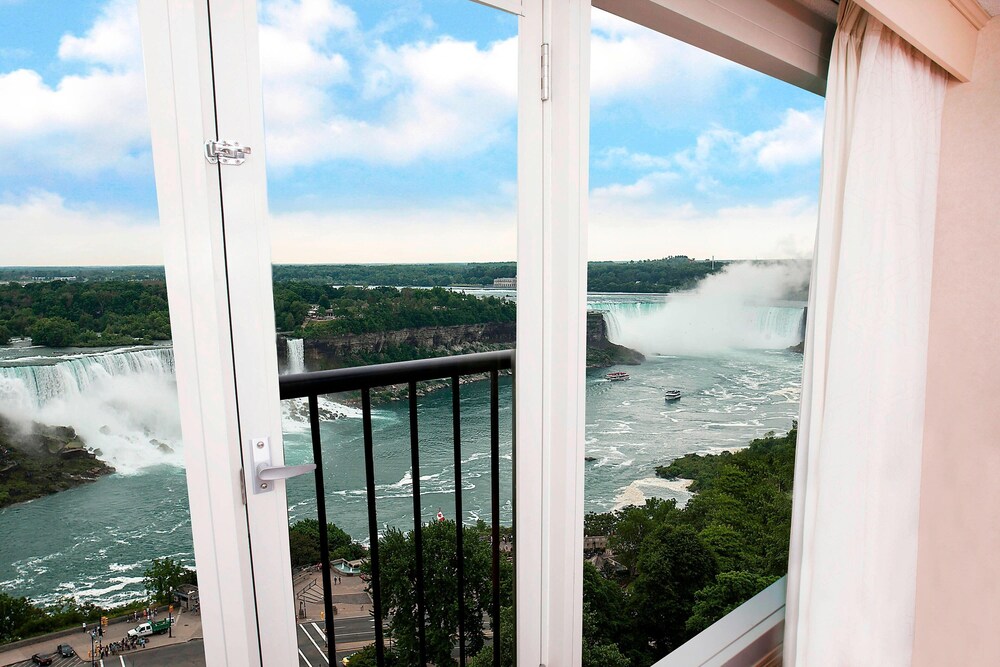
852	564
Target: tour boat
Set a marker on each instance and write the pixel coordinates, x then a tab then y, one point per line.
617	376
671	395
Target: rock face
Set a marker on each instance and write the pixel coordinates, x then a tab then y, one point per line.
377	347
338	351
37	460
601	352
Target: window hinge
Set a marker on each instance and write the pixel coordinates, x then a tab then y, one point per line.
546	76
226	152
243	487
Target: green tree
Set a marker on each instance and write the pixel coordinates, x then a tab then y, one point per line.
4	334
14	614
303	539
163	576
729	591
54	332
508	643
397	574
673	565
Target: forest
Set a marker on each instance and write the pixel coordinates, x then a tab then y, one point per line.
649	275
355	310
679	569
62	313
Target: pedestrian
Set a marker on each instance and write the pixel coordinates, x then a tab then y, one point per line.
84	627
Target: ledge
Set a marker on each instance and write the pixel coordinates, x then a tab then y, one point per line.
751	634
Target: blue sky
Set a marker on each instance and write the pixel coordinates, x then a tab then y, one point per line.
391	136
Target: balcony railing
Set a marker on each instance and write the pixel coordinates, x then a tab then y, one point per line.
364	379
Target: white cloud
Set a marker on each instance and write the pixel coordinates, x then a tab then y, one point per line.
628	60
332	91
630	230
446	98
42	229
113	39
717	152
461	232
620	156
798	140
643	188
85	122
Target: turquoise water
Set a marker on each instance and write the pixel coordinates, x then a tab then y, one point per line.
93	542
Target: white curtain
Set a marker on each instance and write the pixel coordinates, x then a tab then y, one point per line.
852	568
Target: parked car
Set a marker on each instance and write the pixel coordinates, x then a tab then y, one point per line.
40	659
65	651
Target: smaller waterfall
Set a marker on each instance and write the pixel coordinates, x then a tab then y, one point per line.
296	355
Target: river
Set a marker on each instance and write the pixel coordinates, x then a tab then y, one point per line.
736	377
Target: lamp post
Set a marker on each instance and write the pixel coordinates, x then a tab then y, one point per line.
93	656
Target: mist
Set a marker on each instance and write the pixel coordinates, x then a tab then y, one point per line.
748	305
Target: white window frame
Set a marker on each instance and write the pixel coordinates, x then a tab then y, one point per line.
214	221
224	335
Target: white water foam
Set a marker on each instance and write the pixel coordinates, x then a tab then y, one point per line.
122	403
641	490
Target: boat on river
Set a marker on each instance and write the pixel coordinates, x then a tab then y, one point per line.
617	376
671	395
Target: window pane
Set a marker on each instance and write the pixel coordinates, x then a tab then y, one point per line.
392	166
92	484
703	197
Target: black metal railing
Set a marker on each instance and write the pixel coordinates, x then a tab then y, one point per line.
364	379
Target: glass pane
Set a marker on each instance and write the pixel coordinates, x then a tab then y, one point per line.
93	503
392	166
704	180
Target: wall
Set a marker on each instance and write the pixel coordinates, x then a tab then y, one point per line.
958	569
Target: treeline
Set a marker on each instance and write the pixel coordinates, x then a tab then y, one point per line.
649	275
62	314
683	569
354	310
396	275
121	306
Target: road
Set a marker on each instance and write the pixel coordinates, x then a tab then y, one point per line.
311	640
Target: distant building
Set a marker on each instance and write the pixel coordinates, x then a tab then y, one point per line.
506	283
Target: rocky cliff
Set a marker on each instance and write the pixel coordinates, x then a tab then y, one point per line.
37	460
601	352
402	344
385	346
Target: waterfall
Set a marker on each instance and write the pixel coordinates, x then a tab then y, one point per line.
296	355
122	403
687	324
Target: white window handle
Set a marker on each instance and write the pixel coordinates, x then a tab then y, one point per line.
264	473
271	473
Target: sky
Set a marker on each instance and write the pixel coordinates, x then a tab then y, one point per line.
391	133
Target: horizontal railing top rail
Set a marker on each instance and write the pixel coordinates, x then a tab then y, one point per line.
301	385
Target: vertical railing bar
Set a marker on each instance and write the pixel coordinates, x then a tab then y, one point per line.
324	533
366	416
456	427
495	493
418	541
